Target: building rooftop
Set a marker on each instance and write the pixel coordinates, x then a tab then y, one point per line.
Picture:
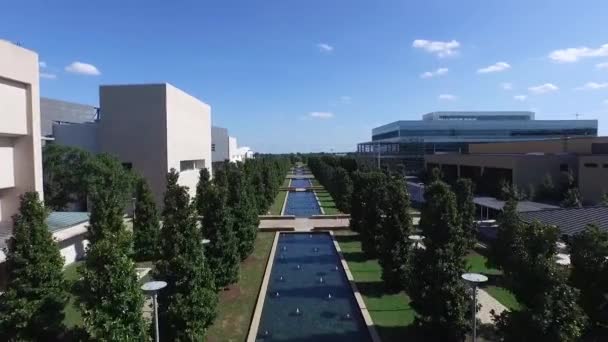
570	221
522	206
59	220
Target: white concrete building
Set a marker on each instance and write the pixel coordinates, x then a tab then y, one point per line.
154	128
219	144
233	149
20	143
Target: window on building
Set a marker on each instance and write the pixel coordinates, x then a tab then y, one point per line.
195	164
591	165
212	147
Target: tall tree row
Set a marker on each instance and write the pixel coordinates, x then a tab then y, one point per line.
336	175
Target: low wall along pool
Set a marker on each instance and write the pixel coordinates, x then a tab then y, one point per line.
309	297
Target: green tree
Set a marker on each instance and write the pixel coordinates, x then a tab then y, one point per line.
572	199
187	306
357	201
202	188
222	252
395	249
31	309
242	208
546	189
588	251
438	293
604	201
509	225
373	212
111	300
146	226
343	189
464	190
63	175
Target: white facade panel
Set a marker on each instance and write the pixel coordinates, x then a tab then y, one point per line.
13	107
220	150
7	170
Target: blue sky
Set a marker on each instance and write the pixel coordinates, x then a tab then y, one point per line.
286	75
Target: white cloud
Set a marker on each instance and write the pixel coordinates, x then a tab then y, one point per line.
496	67
543	88
431	74
441	49
42	64
48	76
506	86
447	97
602	65
321	115
346	99
593	86
325	47
520	97
83	68
571	55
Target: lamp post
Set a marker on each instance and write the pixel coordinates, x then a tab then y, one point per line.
416	241
474	279
151	288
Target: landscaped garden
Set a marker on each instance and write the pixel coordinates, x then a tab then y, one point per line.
327	202
277	205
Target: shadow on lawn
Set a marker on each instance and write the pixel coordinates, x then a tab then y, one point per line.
399	333
346	238
354	256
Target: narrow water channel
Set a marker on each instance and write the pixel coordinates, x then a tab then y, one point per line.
300	183
309	297
302	204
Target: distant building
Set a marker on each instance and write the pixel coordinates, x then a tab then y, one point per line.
151	128
525	164
406	142
62	112
20	145
220	151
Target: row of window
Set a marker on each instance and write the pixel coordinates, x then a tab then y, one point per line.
195	164
486	133
595	165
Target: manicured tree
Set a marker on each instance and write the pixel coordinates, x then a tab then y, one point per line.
588	251
222	253
202	187
188	304
245	218
63	175
343	189
604	201
111	300
546	190
438	293
394	249
464	190
146	226
357	201
572	199
509	225
373	212
31	309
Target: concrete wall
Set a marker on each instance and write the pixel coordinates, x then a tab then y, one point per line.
133	127
233	149
19	128
188	134
573	145
52	110
593	177
219	138
83	135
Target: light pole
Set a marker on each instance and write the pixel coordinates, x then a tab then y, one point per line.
151	288
474	279
417	241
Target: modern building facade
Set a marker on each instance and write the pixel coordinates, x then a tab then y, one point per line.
154	128
20	144
53	112
525	164
406	142
220	151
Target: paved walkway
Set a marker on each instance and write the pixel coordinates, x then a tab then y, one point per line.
304	224
488	303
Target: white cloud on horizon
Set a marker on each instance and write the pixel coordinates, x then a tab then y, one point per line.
323	47
571	55
83	69
520	97
592	86
543	88
496	67
431	74
439	48
48	76
447	97
321	115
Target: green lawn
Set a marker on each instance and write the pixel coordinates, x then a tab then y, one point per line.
286	182
327	202
391	313
315	182
478	263
236	305
277	205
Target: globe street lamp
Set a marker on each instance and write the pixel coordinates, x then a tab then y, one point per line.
474	279
151	288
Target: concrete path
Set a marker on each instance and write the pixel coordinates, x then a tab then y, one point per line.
488	303
304	224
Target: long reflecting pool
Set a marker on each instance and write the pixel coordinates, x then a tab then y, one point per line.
309	297
302	204
300	183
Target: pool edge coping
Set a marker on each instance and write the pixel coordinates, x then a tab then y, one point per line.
373	333
257	314
285	202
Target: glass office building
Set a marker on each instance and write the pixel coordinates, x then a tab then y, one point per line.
405	142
